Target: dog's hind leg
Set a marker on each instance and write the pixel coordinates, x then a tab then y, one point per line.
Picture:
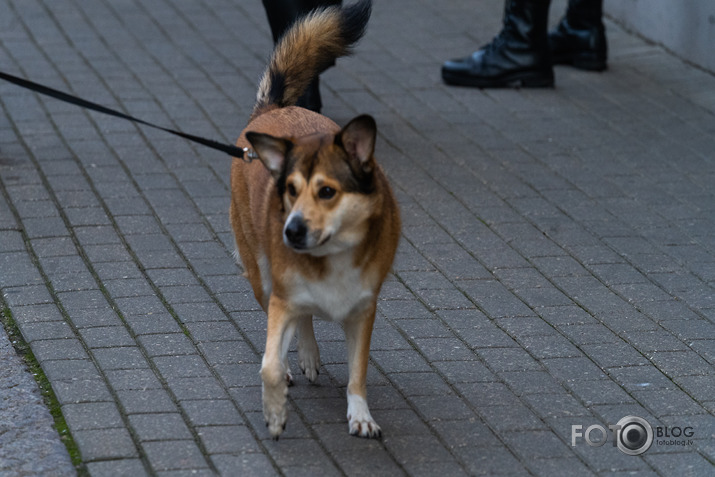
357	333
308	352
281	328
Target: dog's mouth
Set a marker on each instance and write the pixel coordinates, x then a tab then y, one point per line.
304	246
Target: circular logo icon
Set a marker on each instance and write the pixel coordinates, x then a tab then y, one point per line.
634	435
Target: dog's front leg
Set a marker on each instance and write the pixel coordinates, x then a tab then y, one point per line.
357	333
281	327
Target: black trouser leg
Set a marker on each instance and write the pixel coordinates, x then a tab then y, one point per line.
281	15
580	37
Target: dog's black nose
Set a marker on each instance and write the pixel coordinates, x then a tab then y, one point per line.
295	232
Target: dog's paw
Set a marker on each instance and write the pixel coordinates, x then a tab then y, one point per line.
276	422
365	428
309	359
274	410
360	422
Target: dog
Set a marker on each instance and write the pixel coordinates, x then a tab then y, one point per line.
315	220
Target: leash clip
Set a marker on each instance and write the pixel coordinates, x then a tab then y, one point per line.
249	155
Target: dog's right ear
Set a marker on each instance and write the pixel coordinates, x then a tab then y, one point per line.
272	151
358	141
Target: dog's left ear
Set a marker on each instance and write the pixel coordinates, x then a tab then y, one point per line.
272	151
358	140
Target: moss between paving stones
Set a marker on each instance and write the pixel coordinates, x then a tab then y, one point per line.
48	395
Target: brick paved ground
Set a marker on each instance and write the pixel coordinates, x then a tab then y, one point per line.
557	262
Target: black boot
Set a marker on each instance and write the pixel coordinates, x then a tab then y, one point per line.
281	15
580	37
518	55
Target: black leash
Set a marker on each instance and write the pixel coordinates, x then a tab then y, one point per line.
83	103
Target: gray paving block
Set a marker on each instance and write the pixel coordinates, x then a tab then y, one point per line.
559	467
508	359
490	461
573	369
401	447
166	344
255	464
197	388
465	371
37	331
420	384
105	444
112	467
146	401
611	355
537	445
681	363
211	412
228	439
153	323
159	427
524	382
400	361
191	365
106	337
174	455
689	463
132	379
92	415
58	349
444	349
126	357
29	295
549	346
294	451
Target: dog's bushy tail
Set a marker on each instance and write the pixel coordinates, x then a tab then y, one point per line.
307	49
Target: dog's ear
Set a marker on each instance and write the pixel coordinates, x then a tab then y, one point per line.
272	151
358	141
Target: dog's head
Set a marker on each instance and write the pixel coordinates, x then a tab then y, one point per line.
326	184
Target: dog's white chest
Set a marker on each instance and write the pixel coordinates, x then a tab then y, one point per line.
336	296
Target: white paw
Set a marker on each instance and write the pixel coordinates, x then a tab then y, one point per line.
274	409
360	421
309	360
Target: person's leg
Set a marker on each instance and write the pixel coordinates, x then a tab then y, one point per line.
519	54
281	15
580	37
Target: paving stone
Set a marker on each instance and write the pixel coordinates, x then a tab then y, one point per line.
112	467
105	444
228	439
174	455
146	401
211	412
159	427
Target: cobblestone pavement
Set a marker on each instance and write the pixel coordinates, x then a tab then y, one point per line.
556	268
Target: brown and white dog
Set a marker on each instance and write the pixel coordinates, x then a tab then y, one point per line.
315	221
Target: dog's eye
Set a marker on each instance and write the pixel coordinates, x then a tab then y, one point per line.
326	193
291	190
